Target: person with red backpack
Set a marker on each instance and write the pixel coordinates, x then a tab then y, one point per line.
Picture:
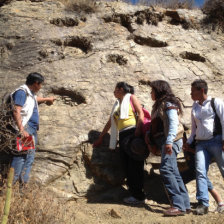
133	150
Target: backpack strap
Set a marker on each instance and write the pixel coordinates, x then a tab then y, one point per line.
218	127
131	102
213	105
133	108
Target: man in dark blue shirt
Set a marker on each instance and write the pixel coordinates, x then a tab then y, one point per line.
26	116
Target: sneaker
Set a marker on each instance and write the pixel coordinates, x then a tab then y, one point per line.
220	208
201	209
133	201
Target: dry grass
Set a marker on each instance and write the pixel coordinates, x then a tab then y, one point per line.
36	205
214	9
172	4
90	6
80	6
7	132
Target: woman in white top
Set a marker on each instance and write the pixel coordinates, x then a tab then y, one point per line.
123	120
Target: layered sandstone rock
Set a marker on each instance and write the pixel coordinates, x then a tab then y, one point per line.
82	57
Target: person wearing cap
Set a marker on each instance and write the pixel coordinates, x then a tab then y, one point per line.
123	121
26	116
166	134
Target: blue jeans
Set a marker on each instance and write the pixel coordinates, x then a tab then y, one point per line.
172	178
190	174
22	163
205	150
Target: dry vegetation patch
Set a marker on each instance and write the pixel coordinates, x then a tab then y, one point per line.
7	133
36	205
172	4
80	6
214	9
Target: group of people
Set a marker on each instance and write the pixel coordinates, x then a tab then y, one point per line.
166	136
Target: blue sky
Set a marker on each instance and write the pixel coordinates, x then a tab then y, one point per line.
197	2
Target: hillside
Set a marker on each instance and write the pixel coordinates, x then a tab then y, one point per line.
83	54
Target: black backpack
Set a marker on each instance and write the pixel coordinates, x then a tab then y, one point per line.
218	126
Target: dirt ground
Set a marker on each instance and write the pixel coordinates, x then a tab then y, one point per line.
110	209
40	206
94	213
84	212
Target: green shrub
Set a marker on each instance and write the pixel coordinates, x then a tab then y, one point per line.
214	10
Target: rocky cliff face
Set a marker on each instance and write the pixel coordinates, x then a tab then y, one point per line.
82	57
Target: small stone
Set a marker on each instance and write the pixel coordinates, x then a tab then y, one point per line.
114	214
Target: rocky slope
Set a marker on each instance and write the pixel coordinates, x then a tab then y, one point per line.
82	56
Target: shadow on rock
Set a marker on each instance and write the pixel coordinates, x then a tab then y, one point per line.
154	188
105	167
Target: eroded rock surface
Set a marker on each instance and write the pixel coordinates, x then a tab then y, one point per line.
82	60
